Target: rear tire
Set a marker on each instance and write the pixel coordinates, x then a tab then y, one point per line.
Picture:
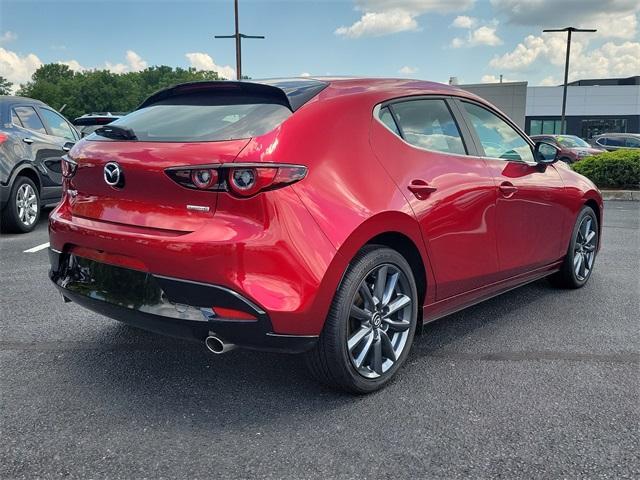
22	212
366	338
579	261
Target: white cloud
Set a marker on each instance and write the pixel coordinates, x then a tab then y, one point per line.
7	37
73	65
17	68
617	26
135	61
549	81
384	17
375	24
462	21
612	18
407	70
608	60
496	79
203	61
305	74
485	35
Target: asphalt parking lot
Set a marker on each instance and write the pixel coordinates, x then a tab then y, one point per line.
537	383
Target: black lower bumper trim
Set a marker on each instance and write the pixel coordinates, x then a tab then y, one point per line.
169	306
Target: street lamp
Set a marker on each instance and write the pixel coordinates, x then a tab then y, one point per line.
569	31
238	36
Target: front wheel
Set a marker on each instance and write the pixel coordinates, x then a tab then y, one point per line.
578	263
23	208
370	327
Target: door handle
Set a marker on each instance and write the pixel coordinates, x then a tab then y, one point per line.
507	189
421	189
28	140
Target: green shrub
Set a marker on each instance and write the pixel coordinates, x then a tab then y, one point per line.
619	169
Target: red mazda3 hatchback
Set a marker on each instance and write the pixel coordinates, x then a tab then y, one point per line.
330	217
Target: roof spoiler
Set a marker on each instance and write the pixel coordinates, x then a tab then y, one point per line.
274	94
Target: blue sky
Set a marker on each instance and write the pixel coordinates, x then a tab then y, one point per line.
430	39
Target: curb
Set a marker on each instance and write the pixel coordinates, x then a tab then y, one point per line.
626	195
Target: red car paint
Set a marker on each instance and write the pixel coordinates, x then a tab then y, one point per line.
287	249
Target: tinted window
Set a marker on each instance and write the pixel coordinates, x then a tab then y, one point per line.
30	119
498	138
535	128
14	119
203	123
58	125
632	142
429	124
386	118
615	142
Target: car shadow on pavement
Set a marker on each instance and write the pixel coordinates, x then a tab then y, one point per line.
167	377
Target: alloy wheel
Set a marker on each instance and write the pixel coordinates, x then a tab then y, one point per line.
26	204
584	251
379	321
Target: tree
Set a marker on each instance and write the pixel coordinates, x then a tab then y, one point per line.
103	90
5	86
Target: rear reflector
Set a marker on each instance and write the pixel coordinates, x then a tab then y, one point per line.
232	314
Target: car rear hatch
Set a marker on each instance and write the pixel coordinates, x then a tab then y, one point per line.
121	175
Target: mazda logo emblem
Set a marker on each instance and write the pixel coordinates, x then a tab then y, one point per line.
113	174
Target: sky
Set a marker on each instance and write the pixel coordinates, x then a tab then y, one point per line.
473	40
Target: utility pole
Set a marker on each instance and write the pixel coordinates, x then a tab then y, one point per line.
569	30
238	36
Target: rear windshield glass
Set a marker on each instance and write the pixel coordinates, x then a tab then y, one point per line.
202	123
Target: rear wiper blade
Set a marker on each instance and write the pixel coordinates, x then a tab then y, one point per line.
116	131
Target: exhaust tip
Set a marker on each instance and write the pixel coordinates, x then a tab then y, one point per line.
217	345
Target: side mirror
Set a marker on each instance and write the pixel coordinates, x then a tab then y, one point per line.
545	153
68	146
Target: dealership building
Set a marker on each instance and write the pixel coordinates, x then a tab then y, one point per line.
593	106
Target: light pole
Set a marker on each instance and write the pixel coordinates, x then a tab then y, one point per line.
569	30
238	36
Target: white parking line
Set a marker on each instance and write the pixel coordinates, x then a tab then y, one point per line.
37	248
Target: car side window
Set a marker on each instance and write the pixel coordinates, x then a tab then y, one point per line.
498	138
29	119
58	125
632	142
430	125
386	118
15	119
615	141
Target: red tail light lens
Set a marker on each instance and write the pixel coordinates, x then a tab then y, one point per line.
69	167
241	180
3	137
204	178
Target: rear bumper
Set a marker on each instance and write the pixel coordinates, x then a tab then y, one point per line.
169	306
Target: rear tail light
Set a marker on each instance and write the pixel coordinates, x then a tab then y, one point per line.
69	167
3	137
242	180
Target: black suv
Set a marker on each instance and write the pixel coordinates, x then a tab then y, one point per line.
33	138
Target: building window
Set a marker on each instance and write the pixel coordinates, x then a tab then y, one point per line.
545	126
598	126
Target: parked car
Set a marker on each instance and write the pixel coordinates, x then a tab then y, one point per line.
572	148
326	217
90	122
617	141
33	138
